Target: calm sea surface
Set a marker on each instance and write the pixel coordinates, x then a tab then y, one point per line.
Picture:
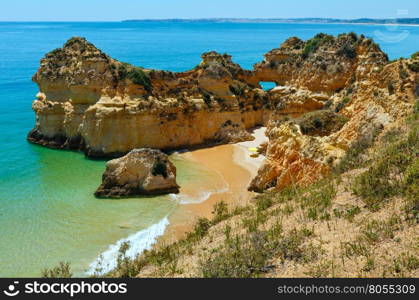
47	211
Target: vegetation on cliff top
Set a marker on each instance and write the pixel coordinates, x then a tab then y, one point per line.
313	44
135	74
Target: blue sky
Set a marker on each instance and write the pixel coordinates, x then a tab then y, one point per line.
115	10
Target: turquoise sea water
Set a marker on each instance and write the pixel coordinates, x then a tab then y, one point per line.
47	211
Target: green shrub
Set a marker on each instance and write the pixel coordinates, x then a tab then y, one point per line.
414	66
138	76
201	227
122	71
395	170
61	271
263	202
313	44
242	257
355	155
220	212
382	180
348	51
248	255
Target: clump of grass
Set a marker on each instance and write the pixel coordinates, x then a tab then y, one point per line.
263	202
372	232
369	265
125	266
394	172
348	213
201	227
252	223
406	261
220	212
317	199
357	247
402	265
63	270
248	255
411	189
242	256
356	153
321	270
377	230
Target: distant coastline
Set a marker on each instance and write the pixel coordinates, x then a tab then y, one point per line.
360	21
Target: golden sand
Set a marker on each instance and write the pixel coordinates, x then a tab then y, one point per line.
237	168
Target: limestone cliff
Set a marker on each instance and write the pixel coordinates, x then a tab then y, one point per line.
330	93
324	63
92	102
302	149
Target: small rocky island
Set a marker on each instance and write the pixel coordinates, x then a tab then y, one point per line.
141	172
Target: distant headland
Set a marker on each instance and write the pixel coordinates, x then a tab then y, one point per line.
391	21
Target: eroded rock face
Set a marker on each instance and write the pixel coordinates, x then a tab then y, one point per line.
140	172
323	63
106	108
302	149
94	103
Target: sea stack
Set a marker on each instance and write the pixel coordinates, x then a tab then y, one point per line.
141	172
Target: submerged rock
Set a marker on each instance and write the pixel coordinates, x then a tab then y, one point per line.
141	172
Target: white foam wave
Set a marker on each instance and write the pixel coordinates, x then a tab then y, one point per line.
204	196
138	242
174	196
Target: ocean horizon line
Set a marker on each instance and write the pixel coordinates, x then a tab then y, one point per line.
302	20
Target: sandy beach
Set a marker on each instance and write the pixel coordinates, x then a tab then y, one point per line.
234	164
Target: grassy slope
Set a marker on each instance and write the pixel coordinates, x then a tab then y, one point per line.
358	222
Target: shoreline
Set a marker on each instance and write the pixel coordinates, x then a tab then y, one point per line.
234	164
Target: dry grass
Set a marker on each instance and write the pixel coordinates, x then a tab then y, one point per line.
347	225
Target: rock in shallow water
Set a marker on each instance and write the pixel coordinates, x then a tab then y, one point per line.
141	172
